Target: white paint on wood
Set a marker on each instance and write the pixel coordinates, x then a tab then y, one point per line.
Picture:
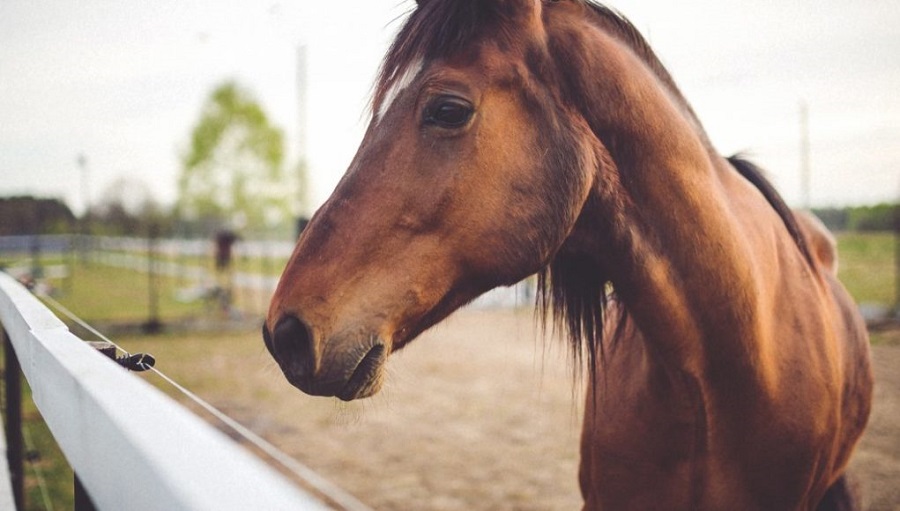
132	447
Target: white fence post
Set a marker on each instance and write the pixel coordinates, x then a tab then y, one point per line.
12	474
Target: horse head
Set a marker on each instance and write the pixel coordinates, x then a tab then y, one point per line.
471	175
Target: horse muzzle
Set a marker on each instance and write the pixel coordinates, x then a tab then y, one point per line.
348	366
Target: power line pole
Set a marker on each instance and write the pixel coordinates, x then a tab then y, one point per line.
85	190
805	170
86	204
303	196
303	182
897	259
301	102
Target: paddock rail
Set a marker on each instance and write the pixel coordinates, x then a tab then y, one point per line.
131	446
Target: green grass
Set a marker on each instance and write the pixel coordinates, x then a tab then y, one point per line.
887	337
103	293
98	292
866	266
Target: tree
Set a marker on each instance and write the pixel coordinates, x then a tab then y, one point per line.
30	215
879	217
233	174
126	208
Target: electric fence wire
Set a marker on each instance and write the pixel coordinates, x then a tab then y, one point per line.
333	492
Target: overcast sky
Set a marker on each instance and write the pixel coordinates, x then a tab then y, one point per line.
122	83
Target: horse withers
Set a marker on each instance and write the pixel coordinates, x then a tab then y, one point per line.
728	367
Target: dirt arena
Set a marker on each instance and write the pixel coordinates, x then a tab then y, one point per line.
479	414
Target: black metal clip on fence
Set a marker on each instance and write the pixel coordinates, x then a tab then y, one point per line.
137	362
133	362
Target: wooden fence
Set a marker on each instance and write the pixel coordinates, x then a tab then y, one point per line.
131	446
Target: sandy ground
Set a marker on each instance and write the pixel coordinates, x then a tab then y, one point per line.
479	414
876	464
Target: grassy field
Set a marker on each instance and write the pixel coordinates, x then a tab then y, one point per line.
866	266
95	288
106	295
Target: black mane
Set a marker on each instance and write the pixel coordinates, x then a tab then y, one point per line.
755	175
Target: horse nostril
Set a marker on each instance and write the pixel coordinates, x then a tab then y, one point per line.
291	344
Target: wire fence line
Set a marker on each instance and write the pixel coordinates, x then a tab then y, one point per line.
310	477
173	247
131	446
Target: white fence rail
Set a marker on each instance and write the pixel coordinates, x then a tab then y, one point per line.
132	447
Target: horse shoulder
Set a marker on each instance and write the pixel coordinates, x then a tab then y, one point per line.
814	391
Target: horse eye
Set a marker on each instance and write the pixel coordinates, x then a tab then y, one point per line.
449	113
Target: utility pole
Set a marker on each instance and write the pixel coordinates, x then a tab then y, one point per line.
897	259
85	189
805	171
301	103
86	204
303	182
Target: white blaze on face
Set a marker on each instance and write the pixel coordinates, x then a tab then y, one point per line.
401	83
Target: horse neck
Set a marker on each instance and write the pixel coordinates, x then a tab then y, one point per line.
664	225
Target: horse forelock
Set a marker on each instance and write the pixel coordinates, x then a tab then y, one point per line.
440	29
434	29
397	84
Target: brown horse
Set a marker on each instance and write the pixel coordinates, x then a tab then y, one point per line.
729	368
